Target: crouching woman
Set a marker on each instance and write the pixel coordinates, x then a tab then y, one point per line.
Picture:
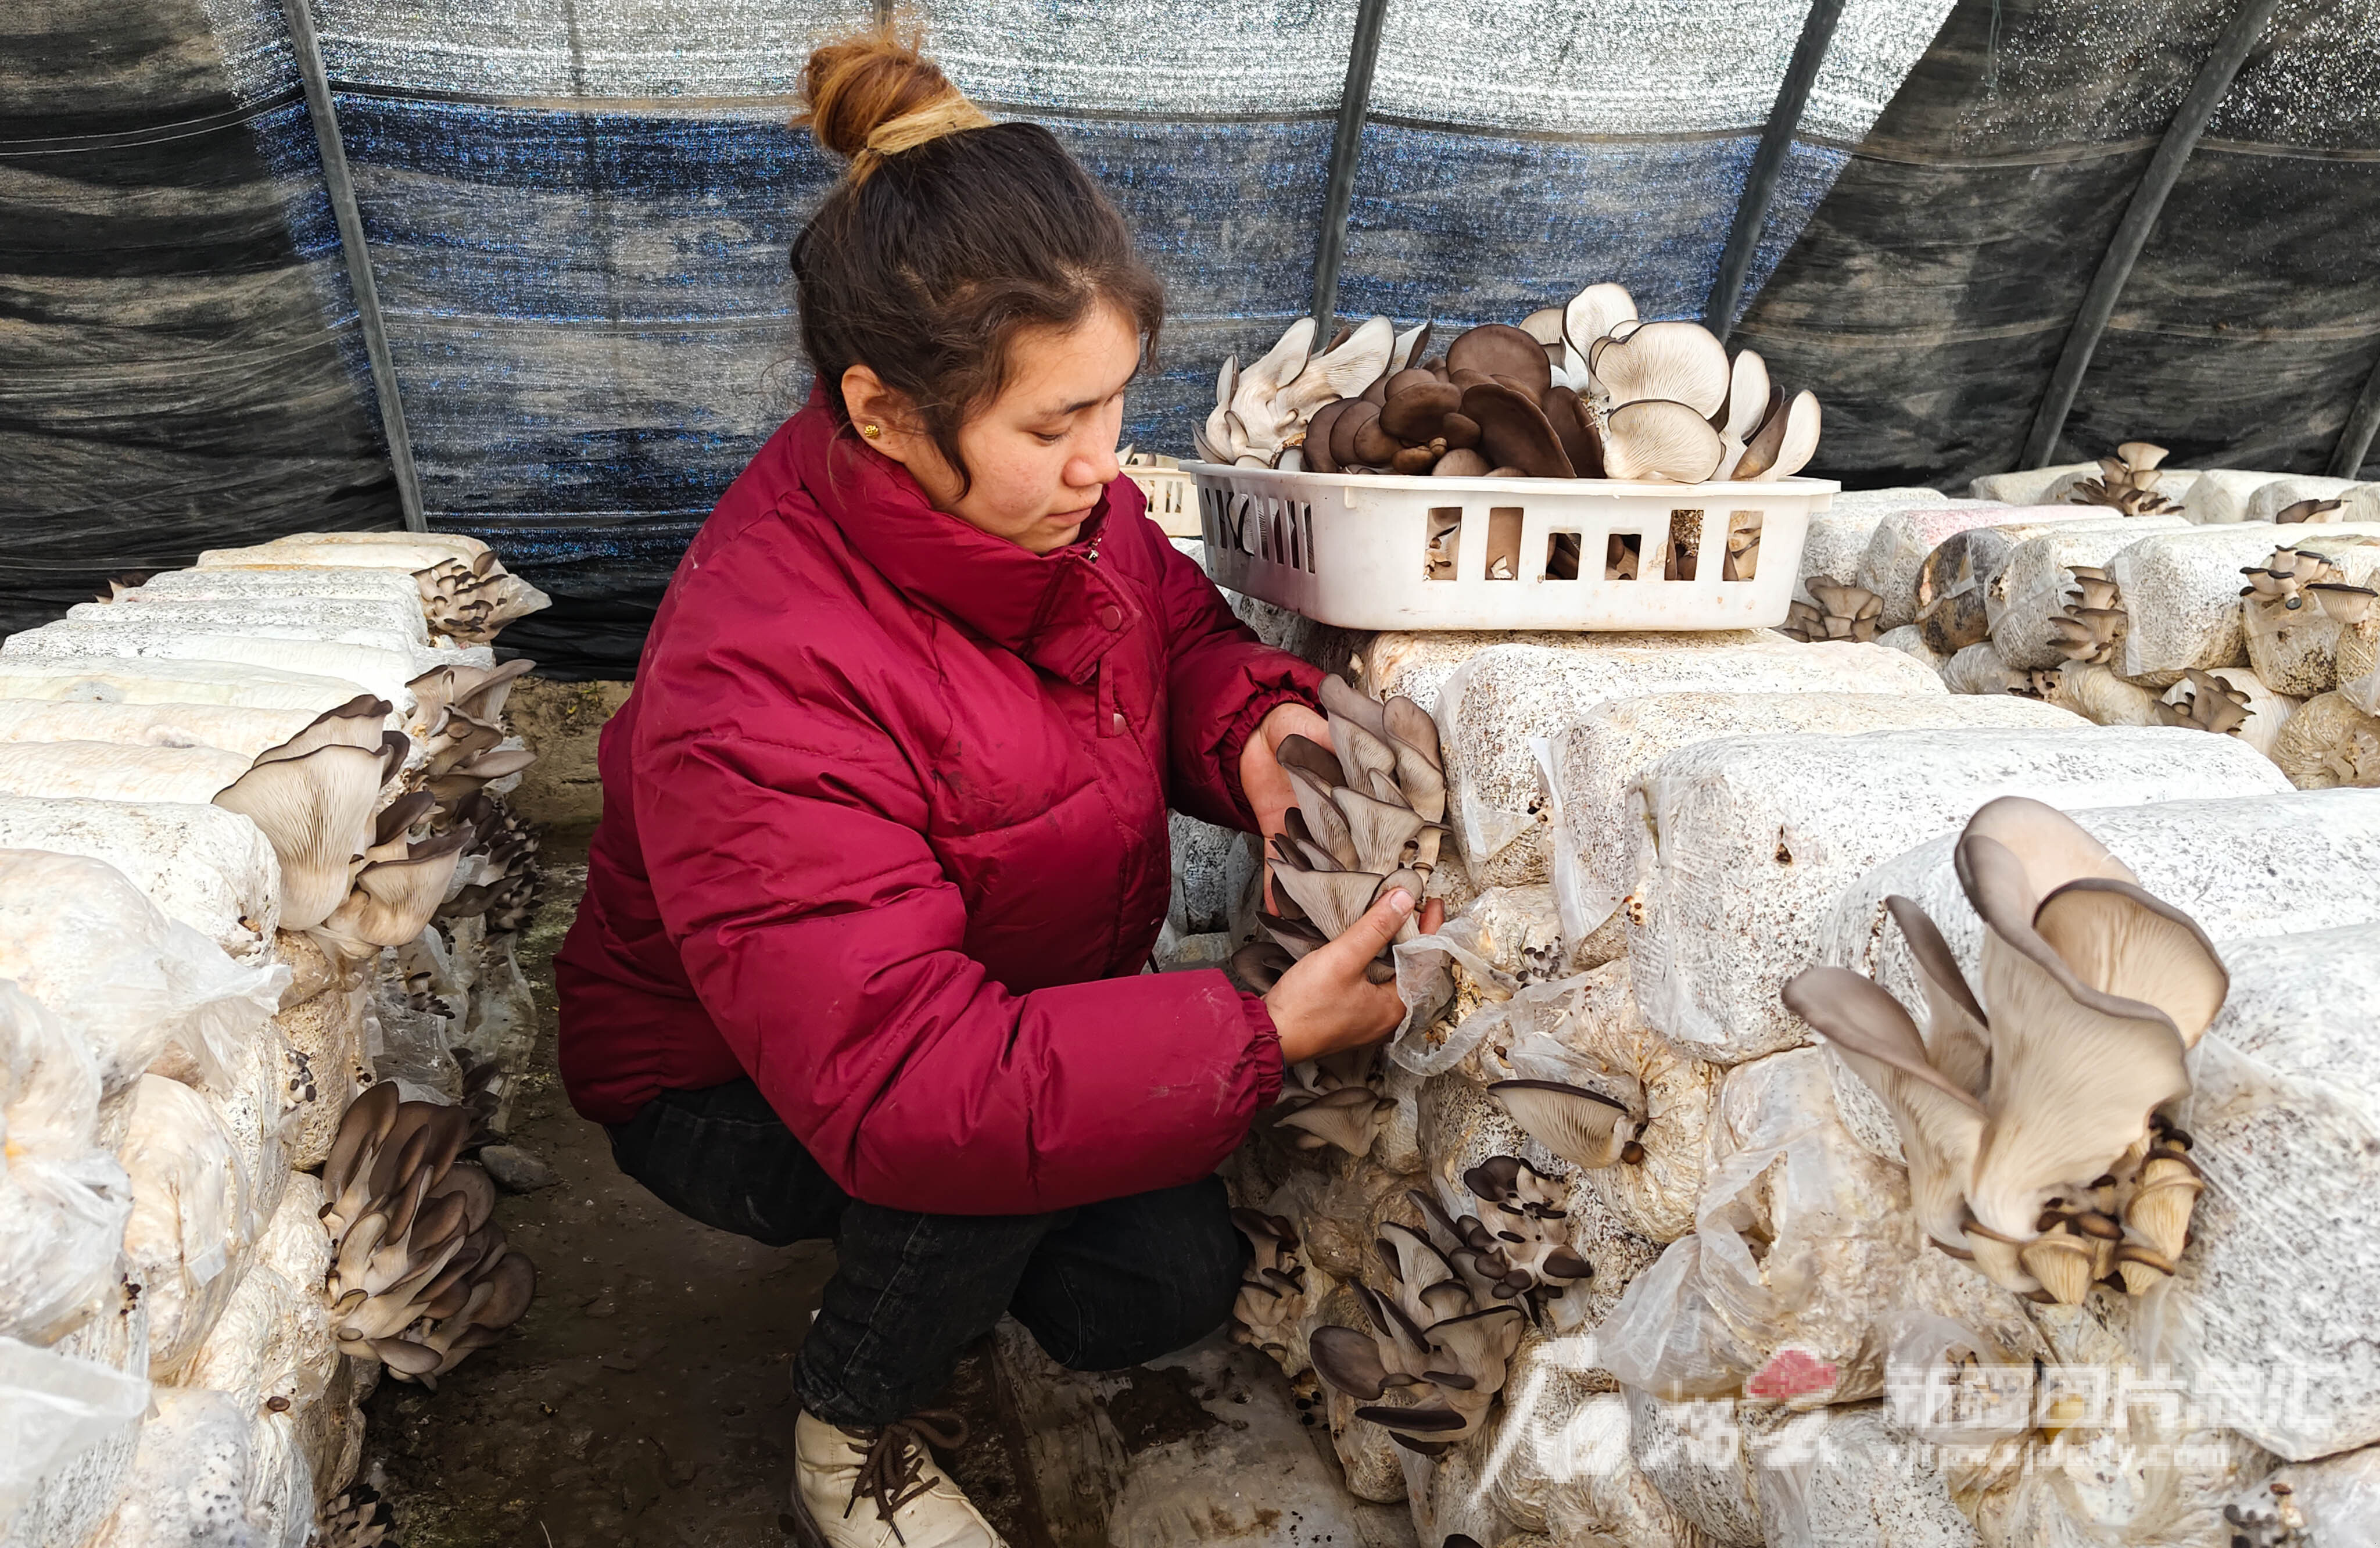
884	846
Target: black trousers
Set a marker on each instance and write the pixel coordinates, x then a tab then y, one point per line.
1101	1287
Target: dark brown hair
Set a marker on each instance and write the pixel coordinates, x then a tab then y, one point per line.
924	265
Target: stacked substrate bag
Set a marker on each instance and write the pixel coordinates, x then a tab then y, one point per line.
254	862
1607	1245
2251	610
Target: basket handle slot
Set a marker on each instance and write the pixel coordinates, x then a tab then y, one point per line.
1504	543
1562	551
1743	559
1441	542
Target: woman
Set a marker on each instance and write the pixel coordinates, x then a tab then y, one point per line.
884	844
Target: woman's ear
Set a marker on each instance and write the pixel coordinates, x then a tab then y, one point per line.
879	415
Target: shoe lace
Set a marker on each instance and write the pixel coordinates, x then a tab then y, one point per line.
891	1465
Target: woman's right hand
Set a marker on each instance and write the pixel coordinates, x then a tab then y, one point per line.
1324	1003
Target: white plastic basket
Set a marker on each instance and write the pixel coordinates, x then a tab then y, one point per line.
1173	497
1355	551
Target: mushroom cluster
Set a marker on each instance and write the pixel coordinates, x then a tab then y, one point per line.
472	599
1839	611
421	1273
2127	482
1446	1329
1272	1291
1368	818
1334	1101
1524	1255
1587	390
2036	1119
355	1517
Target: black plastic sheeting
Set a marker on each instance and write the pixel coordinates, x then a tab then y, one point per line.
179	366
1928	298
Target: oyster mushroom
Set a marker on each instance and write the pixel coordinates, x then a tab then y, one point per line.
315	809
1505	354
1584	1128
1271	1294
1592	314
2205	701
1785	442
1838	611
356	722
1680	362
1659	438
2304	511
393	899
2127	482
1940	1120
1513	431
2097	990
1342	370
1750	399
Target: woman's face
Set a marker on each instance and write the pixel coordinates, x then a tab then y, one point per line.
1042	452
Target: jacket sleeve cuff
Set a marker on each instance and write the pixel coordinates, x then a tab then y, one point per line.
1243	726
1265	1059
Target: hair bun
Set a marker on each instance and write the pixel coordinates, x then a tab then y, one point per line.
855	85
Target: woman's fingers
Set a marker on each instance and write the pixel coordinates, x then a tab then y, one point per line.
1324	1003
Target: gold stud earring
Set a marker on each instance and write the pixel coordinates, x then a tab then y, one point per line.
871	431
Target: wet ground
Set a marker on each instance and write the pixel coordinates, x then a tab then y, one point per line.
643	1400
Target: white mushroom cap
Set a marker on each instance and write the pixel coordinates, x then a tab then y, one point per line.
315	809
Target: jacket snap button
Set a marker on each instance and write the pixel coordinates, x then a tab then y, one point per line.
1117	722
1111	617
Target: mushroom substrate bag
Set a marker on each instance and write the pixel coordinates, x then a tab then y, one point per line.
56	1409
1844	1475
1799	1322
2282	1276
1742	845
63	1200
2181	594
2035	583
1417	665
1896	551
1600	1044
383	622
383	670
1839	534
2329	742
1594	763
207	1471
100	678
2300	650
192	1227
82	940
1494	710
202	865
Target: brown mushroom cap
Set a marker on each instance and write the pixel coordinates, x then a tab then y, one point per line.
1317	434
1760	451
1461	431
1343	426
1417	410
1500	349
1513	431
1574	427
1373	444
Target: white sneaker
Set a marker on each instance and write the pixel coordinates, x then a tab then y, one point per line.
846	1480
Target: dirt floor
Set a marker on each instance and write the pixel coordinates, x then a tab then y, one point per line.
644	1399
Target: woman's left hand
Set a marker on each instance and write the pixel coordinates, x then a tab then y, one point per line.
1267	788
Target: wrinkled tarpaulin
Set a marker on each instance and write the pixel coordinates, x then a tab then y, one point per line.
578	216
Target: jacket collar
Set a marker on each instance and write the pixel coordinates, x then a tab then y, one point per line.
1060	611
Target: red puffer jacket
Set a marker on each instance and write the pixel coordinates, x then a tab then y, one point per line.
884	828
